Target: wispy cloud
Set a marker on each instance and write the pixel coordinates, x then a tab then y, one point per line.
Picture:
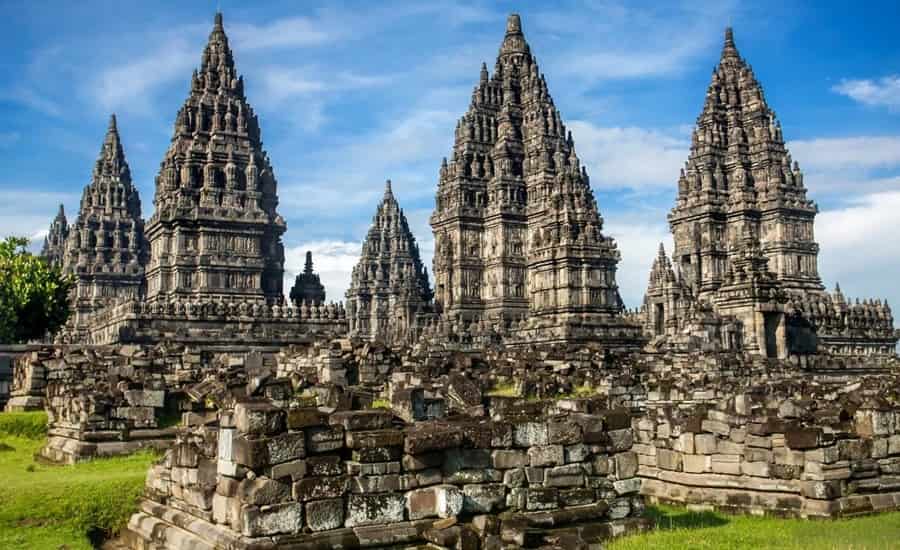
860	248
287	32
130	86
635	158
858	165
838	153
881	92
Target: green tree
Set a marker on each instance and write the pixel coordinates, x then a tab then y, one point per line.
33	295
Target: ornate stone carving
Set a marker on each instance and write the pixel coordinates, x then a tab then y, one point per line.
389	286
215	231
516	226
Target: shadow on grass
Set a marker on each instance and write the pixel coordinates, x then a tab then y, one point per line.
679	518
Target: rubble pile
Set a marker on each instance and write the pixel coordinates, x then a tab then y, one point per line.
261	475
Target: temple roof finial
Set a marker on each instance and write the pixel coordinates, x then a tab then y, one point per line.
728	48
217	22
112	123
513	24
388	194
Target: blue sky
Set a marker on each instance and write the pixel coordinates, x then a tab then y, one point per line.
350	94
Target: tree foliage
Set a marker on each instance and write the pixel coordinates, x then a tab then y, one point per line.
33	295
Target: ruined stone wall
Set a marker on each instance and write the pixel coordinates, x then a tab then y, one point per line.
791	447
263	476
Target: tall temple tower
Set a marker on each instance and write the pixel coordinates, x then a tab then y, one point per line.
54	248
744	244
740	186
215	232
389	285
516	226
106	250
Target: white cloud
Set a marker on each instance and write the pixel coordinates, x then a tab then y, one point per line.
841	153
289	32
129	86
638	237
629	157
858	164
859	246
882	92
28	213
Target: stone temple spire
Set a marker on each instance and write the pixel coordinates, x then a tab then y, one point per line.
216	233
389	285
307	287
55	241
517	229
740	179
105	248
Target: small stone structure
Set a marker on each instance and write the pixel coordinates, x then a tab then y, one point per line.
389	291
307	287
819	451
263	475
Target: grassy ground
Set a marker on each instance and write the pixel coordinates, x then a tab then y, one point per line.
679	529
50	507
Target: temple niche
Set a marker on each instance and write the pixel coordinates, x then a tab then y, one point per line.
307	287
389	296
105	249
518	235
215	232
744	241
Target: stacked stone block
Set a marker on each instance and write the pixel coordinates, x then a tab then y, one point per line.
266	475
822	452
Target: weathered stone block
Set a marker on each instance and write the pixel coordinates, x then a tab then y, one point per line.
323	515
530	434
483	498
626	465
705	444
259	418
262	491
546	455
439	501
668	460
271	520
374	438
504	459
366	420
541	498
323	439
375	509
570	475
316	488
305	417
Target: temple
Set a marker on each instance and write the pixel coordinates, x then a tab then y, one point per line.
518	235
55	242
307	287
215	232
744	246
106	249
209	265
520	405
389	291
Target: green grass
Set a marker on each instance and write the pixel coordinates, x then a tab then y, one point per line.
680	529
46	506
32	425
381	404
